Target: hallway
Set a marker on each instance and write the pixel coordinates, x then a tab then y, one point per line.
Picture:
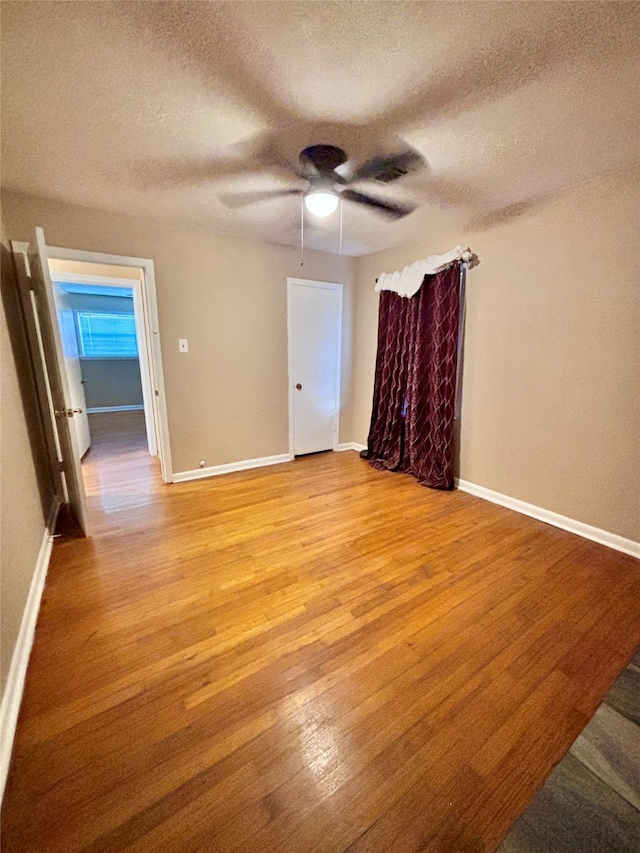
118	472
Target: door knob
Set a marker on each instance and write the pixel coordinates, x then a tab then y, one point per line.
298	386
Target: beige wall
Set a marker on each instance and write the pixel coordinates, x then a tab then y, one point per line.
24	500
551	393
227	397
553	354
550	403
85	268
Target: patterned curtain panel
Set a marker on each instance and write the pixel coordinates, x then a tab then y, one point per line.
396	323
415	383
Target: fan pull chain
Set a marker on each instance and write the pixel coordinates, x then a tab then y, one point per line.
301	231
341	226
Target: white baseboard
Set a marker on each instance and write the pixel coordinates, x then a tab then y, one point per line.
603	537
352	445
14	687
98	409
230	467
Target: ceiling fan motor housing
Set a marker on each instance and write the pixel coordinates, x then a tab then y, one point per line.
325	158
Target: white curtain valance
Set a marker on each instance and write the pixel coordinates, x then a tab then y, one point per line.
407	282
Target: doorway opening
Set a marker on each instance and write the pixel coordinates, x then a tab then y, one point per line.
112	370
49	279
100	311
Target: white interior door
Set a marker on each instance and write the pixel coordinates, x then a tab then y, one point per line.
73	369
51	354
315	320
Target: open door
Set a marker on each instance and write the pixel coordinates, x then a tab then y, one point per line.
40	308
73	369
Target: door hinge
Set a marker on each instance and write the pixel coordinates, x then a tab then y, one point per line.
68	412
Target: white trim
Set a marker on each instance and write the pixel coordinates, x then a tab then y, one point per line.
145	301
146	367
325	285
86	278
230	467
351	445
63	254
97	409
595	534
14	687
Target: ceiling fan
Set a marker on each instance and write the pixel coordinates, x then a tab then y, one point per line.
329	175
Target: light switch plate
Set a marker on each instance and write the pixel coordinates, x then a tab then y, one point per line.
183	345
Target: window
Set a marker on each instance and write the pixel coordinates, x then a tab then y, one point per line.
102	335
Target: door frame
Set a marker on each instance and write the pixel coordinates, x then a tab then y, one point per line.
324	285
144	348
147	330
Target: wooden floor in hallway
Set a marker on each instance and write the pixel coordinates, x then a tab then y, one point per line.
118	472
315	656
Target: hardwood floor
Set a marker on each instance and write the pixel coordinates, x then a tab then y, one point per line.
119	475
591	801
315	656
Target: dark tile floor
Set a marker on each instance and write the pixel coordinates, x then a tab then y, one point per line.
591	801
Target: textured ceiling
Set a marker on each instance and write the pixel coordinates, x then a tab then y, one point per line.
170	109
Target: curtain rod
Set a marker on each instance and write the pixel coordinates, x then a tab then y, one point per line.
462	264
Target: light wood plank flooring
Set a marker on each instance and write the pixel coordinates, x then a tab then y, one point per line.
315	656
119	475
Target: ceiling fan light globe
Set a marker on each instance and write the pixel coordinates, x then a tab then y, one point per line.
321	203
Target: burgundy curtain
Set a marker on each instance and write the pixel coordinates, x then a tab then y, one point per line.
415	383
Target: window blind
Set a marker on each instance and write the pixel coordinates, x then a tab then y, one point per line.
102	335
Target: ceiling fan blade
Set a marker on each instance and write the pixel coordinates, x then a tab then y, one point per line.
170	173
388	167
389	208
273	159
243	199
